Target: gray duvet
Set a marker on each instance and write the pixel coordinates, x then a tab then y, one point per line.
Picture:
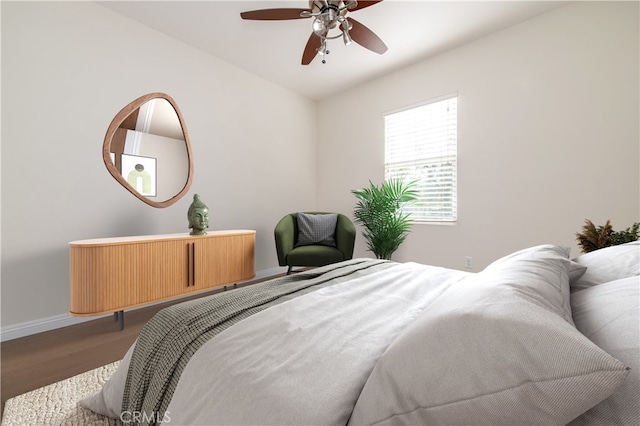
304	360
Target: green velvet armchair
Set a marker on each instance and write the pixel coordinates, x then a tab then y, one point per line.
286	236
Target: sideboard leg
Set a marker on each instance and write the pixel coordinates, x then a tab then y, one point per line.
119	317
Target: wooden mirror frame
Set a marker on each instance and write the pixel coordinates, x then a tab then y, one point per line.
117	122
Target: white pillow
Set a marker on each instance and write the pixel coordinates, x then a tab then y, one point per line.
608	264
494	349
530	264
609	315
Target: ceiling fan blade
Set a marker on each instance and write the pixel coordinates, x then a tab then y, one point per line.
365	37
274	14
363	4
311	49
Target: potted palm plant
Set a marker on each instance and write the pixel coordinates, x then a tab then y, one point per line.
379	211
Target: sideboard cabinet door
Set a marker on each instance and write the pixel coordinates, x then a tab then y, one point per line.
163	270
219	261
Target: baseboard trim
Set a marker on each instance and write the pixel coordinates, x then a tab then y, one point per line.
27	328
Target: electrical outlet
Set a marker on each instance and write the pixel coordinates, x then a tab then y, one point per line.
468	262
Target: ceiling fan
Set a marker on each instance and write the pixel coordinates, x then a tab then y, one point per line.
327	15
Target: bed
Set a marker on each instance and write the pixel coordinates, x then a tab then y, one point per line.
534	338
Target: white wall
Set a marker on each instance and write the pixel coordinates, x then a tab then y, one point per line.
67	69
548	118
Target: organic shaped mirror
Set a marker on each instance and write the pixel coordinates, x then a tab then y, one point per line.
147	150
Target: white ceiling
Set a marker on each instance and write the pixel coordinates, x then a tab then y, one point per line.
412	30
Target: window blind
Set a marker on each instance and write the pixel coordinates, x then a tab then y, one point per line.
421	145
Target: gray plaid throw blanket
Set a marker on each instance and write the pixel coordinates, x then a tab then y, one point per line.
173	335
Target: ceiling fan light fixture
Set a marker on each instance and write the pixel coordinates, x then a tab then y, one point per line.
322	50
346	37
319	27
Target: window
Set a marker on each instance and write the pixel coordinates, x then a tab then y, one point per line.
421	145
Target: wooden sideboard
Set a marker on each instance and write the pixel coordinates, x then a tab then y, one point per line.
109	275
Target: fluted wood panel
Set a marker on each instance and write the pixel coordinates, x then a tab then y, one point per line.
113	274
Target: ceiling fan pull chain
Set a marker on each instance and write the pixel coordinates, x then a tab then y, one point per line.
324	58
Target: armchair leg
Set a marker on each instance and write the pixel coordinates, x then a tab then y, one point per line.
289	270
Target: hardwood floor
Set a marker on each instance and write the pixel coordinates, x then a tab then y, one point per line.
38	360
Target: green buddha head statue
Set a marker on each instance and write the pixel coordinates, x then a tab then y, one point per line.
198	215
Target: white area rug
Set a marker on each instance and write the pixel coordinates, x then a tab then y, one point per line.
56	404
